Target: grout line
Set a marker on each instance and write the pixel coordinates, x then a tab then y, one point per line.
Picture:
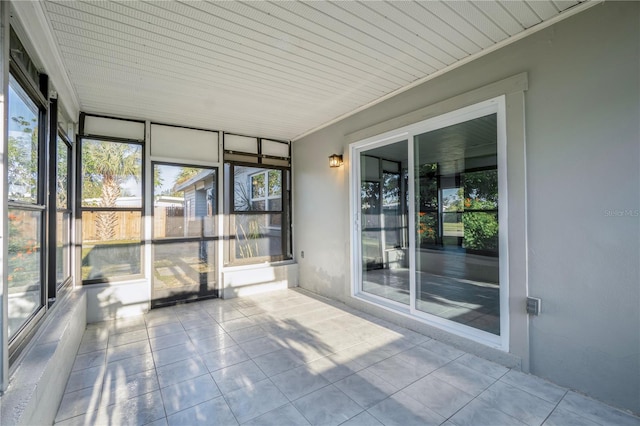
556	406
319	339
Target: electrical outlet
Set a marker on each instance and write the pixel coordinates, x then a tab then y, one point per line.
302	254
533	305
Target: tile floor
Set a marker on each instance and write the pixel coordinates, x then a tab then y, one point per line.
287	358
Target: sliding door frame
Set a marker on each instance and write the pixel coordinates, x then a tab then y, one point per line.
491	106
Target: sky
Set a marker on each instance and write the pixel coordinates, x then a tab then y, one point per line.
18	108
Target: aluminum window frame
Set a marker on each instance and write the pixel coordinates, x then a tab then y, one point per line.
141	209
53	276
34	91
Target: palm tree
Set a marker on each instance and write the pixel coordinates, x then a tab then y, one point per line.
107	166
185	174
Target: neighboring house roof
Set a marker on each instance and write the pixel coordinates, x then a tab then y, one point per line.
167	201
120	201
197	178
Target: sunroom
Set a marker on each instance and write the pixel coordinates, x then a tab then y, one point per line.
464	171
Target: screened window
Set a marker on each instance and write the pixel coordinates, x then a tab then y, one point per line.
257	233
25	263
258	210
111	204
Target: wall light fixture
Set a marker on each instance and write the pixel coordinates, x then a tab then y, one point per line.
335	160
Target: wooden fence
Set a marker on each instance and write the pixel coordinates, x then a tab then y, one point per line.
168	222
127	226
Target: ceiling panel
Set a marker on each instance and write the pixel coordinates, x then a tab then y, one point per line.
523	13
274	69
545	9
496	12
476	18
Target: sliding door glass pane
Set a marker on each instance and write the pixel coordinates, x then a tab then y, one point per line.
24	272
383	218
456	184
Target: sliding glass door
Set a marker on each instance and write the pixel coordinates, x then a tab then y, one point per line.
429	218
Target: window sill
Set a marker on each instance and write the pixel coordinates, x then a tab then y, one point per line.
261	278
261	265
39	376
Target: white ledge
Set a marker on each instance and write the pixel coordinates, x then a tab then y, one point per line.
37	383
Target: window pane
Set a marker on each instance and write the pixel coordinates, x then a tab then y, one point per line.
258	205
457	269
184	201
257	189
480	232
371	225
275	183
481	189
427	196
262	235
63	246
24	272
111	174
255	237
392	210
428	225
62	179
275	204
23	145
111	244
257	186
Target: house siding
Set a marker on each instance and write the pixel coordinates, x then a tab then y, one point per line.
582	111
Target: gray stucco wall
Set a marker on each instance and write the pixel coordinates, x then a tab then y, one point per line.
583	192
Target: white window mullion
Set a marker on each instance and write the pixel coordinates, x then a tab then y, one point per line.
411	211
356	212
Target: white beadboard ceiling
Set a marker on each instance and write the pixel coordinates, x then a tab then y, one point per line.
275	69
